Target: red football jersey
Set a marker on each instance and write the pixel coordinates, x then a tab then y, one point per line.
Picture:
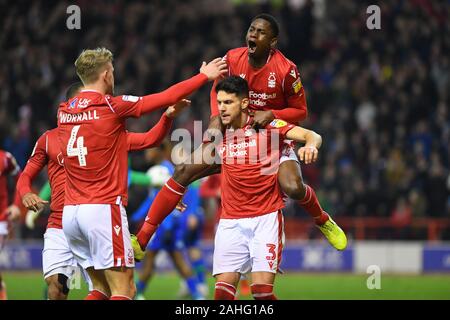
8	166
250	161
46	152
93	140
276	86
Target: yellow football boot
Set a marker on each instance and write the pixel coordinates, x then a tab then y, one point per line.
334	234
139	254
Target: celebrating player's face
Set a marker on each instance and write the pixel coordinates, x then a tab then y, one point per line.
230	108
259	38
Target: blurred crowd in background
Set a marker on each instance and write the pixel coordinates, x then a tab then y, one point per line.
379	98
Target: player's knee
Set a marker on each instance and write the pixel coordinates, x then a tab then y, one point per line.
146	274
182	174
55	290
294	188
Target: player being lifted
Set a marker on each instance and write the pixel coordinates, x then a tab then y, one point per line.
92	138
275	91
249	237
57	259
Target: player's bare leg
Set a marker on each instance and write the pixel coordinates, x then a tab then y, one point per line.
101	289
119	280
262	285
186	272
291	182
202	163
57	287
226	283
196	258
146	273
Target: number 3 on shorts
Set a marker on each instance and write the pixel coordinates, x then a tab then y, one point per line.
271	247
80	150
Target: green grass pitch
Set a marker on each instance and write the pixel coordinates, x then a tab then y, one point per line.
310	286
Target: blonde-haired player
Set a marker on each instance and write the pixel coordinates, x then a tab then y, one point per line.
92	138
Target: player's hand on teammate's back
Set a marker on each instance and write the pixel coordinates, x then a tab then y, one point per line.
33	202
262	118
308	154
174	110
214	69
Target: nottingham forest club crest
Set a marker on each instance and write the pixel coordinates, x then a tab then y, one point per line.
271	80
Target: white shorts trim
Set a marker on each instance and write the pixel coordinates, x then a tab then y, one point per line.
288	153
249	244
98	235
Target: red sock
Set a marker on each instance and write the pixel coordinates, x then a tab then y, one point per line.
3	295
263	292
165	202
224	291
96	295
312	206
118	297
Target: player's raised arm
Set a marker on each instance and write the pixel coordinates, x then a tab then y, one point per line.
309	152
154	137
131	106
175	93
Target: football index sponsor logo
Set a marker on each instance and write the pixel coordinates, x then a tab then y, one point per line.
260	99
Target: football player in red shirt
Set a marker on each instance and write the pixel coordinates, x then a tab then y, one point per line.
58	260
276	91
8	167
249	237
93	141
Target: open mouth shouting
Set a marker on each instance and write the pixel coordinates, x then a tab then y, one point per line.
251	46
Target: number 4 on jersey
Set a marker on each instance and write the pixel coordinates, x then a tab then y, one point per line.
80	150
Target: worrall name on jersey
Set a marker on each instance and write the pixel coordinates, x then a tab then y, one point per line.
78	117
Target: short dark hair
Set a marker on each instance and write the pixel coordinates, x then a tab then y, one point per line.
233	84
73	89
271	20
